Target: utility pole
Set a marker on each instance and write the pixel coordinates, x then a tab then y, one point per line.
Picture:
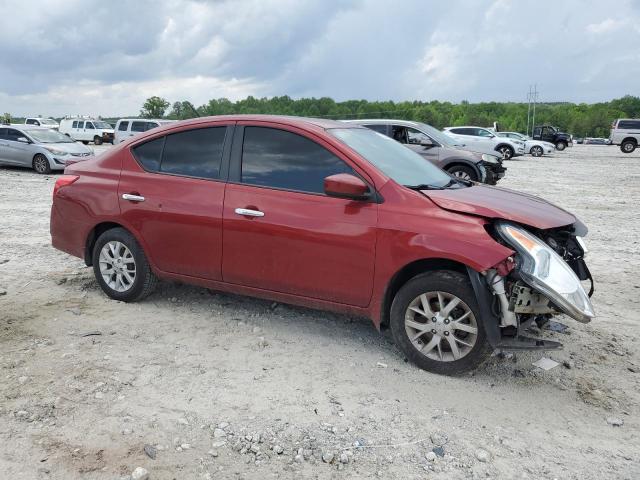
532	98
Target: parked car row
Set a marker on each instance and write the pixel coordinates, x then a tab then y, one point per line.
329	215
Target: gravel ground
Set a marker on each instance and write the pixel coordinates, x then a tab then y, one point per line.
220	386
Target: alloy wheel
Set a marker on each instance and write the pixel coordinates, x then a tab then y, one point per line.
462	174
506	153
117	266
40	164
441	326
536	151
628	147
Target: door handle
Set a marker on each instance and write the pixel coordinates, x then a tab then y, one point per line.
132	197
249	213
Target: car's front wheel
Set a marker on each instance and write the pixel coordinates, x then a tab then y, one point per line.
628	146
97	140
121	267
536	151
506	151
436	323
41	164
561	146
464	172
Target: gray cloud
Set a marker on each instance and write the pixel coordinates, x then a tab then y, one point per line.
82	56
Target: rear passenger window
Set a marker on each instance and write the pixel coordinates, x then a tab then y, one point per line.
629	124
138	126
281	159
148	154
194	153
80	124
151	125
74	125
123	126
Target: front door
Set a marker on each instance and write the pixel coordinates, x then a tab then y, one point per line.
171	193
13	151
282	233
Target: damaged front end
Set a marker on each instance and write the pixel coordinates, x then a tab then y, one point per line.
543	278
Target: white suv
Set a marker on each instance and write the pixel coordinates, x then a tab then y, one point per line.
626	133
130	127
484	140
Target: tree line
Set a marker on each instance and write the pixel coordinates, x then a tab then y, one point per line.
592	120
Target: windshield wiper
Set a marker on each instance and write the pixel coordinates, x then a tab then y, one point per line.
426	186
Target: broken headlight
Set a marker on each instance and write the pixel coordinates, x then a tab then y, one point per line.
545	271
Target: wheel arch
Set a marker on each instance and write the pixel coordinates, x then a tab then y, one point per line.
460	162
409	271
629	139
93	235
504	144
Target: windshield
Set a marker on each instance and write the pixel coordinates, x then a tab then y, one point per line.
437	135
99	124
48	121
48	136
392	158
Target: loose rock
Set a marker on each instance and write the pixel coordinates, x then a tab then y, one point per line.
140	474
615	421
431	456
482	455
328	457
219	433
150	451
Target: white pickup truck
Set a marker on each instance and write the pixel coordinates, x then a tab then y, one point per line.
626	133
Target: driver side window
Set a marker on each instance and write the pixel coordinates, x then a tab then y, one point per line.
481	132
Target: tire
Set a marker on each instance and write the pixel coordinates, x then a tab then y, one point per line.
506	151
441	359
40	164
84	142
68	135
628	146
97	140
118	243
464	172
536	151
561	146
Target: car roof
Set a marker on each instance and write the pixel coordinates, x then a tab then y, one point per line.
467	126
131	119
379	120
320	123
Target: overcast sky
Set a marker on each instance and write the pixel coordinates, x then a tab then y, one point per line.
105	57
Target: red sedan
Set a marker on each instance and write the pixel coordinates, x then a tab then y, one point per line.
331	216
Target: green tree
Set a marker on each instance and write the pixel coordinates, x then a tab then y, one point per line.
154	107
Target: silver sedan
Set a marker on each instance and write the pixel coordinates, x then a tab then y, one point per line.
42	149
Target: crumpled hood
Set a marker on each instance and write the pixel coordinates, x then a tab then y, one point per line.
502	203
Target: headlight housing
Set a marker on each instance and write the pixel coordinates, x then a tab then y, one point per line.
56	151
490	159
545	271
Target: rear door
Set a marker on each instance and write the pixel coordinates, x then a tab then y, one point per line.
171	192
281	232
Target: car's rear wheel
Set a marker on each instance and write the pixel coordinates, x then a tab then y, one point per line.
436	323
121	267
628	146
464	172
561	146
97	140
536	151
41	164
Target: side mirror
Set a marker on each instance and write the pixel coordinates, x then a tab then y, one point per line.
345	185
22	140
426	142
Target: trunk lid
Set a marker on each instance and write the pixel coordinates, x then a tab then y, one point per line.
502	203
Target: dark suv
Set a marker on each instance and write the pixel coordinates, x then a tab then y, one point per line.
440	149
548	133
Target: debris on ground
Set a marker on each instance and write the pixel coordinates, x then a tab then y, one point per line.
545	363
